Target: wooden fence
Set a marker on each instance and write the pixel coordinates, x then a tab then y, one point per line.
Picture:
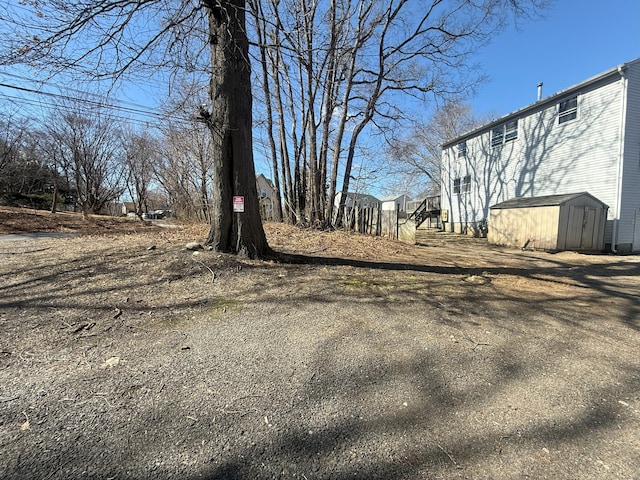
371	221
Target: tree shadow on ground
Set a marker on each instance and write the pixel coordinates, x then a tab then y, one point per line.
369	394
350	421
603	278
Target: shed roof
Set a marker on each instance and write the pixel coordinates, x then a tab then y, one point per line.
392	198
544	201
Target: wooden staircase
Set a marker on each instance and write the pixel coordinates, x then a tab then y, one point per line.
424	221
428	209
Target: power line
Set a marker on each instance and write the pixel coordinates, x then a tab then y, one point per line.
21	102
82	93
142	113
83	100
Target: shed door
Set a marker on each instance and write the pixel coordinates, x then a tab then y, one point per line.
588	229
581	228
636	232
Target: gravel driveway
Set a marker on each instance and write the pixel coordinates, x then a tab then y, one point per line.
129	357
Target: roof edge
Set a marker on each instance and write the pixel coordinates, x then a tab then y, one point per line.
542	201
550	99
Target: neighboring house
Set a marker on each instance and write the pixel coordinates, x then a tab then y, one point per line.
393	202
425	212
266	196
126	208
362	213
357	199
583	139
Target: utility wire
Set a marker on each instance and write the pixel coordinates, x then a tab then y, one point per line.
83	100
76	91
147	115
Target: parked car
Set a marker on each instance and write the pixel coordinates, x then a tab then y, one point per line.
152	215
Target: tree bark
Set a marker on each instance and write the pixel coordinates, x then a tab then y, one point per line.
230	122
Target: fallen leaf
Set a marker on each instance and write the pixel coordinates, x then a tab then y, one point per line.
110	362
25	425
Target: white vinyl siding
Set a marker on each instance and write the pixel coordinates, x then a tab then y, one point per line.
579	154
631	171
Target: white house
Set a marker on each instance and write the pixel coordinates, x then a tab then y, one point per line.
393	202
583	139
267	197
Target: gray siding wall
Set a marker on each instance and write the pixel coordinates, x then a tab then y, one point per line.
629	217
551	158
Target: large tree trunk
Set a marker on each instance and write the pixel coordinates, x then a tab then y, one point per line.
230	122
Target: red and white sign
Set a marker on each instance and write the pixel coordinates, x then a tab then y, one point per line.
238	204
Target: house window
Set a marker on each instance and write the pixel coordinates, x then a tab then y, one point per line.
263	193
568	110
504	133
511	131
497	136
462	149
466	184
462	185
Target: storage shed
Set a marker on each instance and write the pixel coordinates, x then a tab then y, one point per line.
553	222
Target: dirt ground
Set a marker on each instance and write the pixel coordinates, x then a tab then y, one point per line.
125	356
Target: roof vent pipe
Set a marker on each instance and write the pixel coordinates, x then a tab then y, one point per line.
540	91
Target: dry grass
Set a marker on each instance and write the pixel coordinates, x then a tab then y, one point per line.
23	220
362	357
286	238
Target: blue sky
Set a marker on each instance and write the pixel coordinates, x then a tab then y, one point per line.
577	40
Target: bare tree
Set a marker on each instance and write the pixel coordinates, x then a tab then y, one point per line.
12	132
347	69
115	40
142	153
87	149
230	122
417	154
186	170
260	32
50	150
24	169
